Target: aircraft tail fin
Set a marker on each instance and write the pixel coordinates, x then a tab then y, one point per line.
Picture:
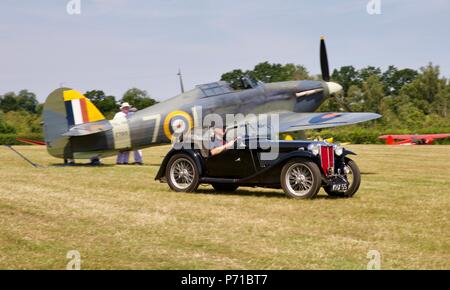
64	109
79	109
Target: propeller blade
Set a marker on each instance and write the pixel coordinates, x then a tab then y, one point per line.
324	60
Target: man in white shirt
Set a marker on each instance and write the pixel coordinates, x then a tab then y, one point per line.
124	110
123	157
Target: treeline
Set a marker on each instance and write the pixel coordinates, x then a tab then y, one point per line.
411	101
20	113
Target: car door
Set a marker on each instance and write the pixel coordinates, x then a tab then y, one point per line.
233	163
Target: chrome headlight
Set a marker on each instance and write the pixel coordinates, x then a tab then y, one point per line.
338	150
314	148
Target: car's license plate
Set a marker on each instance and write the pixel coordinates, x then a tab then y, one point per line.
340	187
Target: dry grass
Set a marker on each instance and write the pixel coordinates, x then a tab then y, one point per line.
119	217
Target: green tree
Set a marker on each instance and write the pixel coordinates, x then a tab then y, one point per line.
346	76
373	93
442	103
369	71
27	101
269	73
5	128
24	100
8	102
411	116
106	104
234	78
39	109
23	122
426	91
138	98
355	99
387	109
297	72
395	79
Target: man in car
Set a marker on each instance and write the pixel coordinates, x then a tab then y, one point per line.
216	144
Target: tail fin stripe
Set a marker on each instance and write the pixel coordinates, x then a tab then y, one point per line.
84	110
77	115
69	112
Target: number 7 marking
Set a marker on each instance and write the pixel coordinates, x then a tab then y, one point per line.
157	119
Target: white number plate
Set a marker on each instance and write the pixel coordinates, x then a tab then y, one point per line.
339	187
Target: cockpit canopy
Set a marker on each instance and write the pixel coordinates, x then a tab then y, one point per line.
222	87
216	88
249	83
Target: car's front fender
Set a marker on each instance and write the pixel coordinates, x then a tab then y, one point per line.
348	152
193	154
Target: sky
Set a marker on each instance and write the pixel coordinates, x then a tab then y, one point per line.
114	45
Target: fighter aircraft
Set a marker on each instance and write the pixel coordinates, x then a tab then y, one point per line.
425	139
75	129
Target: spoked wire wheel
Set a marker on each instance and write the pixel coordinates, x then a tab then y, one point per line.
349	175
182	173
353	176
300	179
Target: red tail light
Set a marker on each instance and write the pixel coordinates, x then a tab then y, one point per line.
327	159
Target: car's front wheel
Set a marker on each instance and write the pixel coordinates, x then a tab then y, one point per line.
353	176
225	187
182	173
300	179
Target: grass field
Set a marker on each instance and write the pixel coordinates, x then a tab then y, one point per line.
119	217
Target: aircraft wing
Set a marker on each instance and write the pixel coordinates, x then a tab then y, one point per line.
88	128
290	121
432	136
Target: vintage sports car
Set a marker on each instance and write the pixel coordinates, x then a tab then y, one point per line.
301	168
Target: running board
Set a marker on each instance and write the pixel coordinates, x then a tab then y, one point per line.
218	180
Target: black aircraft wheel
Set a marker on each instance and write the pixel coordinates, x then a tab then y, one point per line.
300	179
353	175
182	173
225	187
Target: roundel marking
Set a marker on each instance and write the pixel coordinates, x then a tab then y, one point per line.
177	122
324	117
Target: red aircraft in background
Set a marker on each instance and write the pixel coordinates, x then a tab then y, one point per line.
425	139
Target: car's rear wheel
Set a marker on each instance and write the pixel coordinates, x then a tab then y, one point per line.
225	187
353	176
300	179
182	173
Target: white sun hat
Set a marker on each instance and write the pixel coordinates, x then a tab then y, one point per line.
124	105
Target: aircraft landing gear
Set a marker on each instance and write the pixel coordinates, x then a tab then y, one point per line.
95	162
69	161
